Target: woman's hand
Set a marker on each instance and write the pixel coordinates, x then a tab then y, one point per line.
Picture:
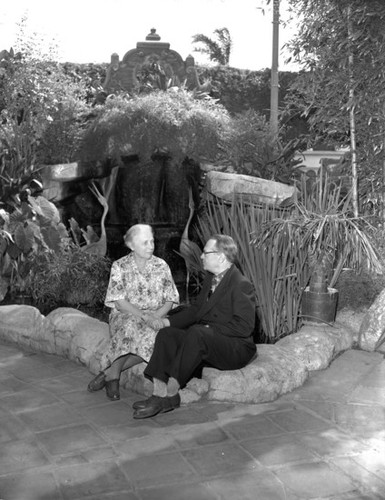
125	307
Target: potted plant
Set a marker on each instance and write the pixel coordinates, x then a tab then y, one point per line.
328	238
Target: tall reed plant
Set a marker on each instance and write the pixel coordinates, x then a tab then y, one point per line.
264	266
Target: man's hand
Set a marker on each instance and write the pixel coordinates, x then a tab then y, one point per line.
154	321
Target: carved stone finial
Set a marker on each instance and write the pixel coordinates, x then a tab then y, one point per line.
190	61
153	35
115	61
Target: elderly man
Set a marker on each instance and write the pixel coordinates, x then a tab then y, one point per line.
216	330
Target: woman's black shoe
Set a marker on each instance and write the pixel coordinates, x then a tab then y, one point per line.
97	383
112	389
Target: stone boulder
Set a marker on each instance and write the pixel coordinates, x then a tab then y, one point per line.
194	390
65	331
373	325
251	189
25	326
315	345
352	320
273	372
79	337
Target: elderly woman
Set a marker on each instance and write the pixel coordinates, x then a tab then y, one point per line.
141	291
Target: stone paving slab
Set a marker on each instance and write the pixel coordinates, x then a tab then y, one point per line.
250	486
315	480
35	485
325	440
278	450
351	466
199	491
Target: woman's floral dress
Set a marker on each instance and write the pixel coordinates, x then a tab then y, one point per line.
148	290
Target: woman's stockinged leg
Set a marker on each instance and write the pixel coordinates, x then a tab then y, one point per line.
131	360
112	374
120	364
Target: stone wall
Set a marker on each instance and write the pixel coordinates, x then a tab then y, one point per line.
277	369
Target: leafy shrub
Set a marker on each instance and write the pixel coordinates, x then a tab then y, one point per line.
33	228
71	277
41	117
89	75
61	139
174	121
240	90
252	149
359	291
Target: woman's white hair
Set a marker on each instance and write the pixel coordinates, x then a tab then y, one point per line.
134	231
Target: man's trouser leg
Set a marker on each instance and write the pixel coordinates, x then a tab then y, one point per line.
177	353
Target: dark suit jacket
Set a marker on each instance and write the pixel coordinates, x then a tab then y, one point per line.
229	311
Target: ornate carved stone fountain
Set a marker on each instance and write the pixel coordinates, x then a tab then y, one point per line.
128	73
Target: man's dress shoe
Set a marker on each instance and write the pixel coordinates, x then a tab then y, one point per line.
154	405
173	401
145	402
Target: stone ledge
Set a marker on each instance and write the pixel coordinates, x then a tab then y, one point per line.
277	369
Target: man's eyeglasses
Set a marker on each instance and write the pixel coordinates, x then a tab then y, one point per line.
206	253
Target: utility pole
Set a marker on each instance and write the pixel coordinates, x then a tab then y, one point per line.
274	72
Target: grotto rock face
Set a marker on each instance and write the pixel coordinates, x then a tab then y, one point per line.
276	370
154	191
373	325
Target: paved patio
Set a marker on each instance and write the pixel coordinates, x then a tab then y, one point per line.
325	440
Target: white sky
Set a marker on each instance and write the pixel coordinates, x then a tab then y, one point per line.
91	30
